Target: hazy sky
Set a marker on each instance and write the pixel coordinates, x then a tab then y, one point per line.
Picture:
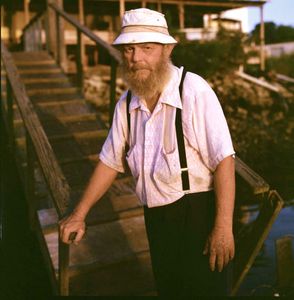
279	11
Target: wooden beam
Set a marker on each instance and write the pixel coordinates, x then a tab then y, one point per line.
53	175
27	11
181	15
144	3
82	21
262	56
224	4
122	8
159	7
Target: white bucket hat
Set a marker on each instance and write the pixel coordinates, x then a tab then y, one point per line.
144	25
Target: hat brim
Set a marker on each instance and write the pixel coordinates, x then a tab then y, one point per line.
143	37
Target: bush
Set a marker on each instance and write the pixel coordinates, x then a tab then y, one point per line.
221	55
283	64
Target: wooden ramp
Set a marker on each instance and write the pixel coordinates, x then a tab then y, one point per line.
113	258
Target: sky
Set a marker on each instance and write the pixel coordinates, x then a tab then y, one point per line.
280	12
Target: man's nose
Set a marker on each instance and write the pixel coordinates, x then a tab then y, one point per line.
137	55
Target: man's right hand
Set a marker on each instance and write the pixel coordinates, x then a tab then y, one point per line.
72	224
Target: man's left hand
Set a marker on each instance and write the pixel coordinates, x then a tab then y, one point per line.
220	247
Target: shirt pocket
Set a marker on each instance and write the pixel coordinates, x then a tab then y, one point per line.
167	172
132	159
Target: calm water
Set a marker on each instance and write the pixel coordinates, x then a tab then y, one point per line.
262	278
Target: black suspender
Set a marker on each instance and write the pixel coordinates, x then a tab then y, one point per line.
179	132
181	143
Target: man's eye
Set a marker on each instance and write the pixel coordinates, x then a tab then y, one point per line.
128	49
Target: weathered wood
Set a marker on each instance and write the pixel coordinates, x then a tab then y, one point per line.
10	113
30	180
79	61
115	241
285	262
285	78
257	81
250	245
54	177
257	183
215	4
112	51
63	263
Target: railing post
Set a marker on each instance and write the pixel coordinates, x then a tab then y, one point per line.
51	29
58	33
112	89
30	180
10	114
63	263
79	62
39	33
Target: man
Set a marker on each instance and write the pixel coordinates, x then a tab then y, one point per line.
179	150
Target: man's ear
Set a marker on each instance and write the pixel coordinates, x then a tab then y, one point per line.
168	48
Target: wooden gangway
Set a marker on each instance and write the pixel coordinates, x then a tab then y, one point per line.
56	137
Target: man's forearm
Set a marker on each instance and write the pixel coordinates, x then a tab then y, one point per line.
224	185
99	183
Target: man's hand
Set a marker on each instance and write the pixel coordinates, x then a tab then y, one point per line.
220	247
72	224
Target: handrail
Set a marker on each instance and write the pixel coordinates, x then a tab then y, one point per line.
53	175
35	18
111	50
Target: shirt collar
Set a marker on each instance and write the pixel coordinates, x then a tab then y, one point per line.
170	94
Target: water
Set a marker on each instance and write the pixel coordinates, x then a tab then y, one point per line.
262	278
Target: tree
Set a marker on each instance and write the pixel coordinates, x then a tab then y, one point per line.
273	33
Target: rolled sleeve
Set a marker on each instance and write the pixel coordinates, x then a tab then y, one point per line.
113	149
212	132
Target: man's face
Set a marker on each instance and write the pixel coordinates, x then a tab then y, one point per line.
146	67
143	58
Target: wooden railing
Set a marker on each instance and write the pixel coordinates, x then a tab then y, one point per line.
38	150
53	27
32	37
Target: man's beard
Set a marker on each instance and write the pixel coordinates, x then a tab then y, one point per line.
151	85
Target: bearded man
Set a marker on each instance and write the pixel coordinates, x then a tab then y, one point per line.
171	130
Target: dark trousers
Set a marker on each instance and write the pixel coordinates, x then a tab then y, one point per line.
177	234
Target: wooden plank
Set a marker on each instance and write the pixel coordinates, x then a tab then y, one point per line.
39	71
285	261
52	91
248	247
285	78
257	183
116	241
38	80
133	277
44	153
257	81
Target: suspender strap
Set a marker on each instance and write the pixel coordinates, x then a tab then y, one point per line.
181	143
129	97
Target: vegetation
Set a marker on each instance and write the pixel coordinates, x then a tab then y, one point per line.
283	65
206	59
273	33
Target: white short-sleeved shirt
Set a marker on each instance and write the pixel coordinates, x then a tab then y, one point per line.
153	155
